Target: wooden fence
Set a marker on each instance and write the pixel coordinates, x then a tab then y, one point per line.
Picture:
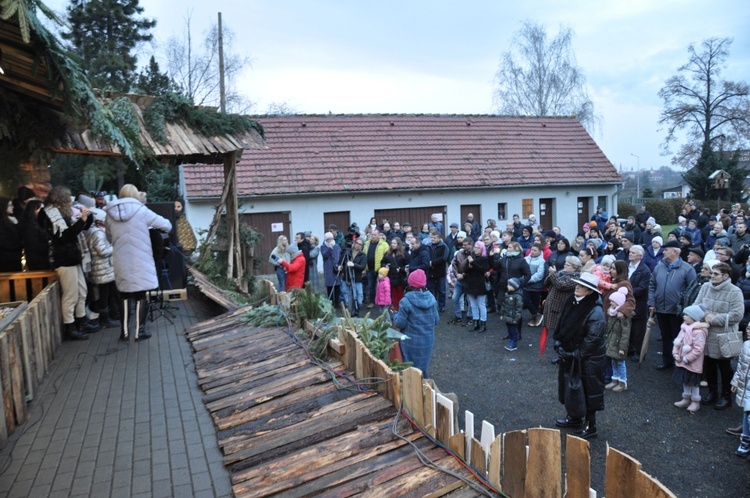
28	344
518	463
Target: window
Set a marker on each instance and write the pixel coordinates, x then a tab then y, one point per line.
527	208
601	202
502	211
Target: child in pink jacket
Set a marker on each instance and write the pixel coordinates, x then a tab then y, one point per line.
688	357
383	291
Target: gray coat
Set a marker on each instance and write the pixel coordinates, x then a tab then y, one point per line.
127	225
740	379
102	271
725	301
666	286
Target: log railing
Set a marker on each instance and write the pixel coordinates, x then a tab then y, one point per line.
518	463
27	346
24	286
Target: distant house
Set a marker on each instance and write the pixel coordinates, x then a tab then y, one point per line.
680	191
343	169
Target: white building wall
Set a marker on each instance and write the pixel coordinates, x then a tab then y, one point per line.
306	212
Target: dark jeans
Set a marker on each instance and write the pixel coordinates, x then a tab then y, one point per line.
711	368
669	325
531	301
637	331
372	282
436	285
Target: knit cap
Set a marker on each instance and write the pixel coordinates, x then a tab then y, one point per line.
417	279
383	271
461	235
695	312
651	221
619	296
329	236
514	282
658	239
608	259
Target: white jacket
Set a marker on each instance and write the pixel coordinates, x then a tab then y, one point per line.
127	225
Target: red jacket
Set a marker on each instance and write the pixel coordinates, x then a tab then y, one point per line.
295	271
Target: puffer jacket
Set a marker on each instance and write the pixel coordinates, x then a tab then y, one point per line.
65	248
102	271
618	335
127	224
695	338
417	317
512	307
727	305
740	379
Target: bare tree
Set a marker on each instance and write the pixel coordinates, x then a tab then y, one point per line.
281	109
538	77
195	68
708	109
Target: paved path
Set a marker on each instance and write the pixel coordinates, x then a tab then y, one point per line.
119	420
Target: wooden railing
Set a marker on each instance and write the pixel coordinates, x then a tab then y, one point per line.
27	345
518	463
24	286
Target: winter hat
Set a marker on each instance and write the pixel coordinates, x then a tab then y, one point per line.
586	226
697	251
593	224
417	279
687	237
588	280
651	221
657	228
629	236
619	296
681	219
328	236
695	312
383	271
514	282
550	233
658	239
711	263
454	225
495	234
608	259
461	235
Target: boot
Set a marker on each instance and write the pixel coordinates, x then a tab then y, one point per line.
87	326
695	404
612	384
142	314
125	320
684	403
620	387
457	320
587	432
477	325
569	422
532	320
482	326
744	449
710	398
735	431
105	321
72	333
724	402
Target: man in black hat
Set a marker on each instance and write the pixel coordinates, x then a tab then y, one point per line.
670	278
450	239
626	242
695	258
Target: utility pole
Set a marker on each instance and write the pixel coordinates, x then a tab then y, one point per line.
638	176
222	94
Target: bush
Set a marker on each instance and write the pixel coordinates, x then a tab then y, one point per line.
625	209
663	211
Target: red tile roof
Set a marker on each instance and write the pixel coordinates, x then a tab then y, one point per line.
337	153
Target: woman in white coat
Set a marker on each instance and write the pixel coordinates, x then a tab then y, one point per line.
128	222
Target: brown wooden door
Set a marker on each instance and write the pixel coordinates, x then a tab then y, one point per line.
474	209
546	213
341	219
415	216
270	226
583	211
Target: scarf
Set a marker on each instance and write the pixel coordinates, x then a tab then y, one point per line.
571	327
59	225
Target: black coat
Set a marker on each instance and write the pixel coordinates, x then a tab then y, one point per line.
474	275
420	259
640	280
396	264
360	263
10	247
36	245
591	349
439	258
65	249
507	267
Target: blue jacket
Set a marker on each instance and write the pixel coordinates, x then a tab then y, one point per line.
417	317
420	259
666	285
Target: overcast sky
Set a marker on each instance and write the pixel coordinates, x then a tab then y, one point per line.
436	56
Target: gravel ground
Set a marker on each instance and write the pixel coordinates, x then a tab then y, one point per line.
690	454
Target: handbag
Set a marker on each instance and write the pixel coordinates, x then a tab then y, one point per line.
487	284
575	397
730	343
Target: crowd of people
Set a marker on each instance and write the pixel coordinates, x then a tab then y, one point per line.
595	292
104	254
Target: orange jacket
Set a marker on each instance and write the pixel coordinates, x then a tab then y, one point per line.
295	271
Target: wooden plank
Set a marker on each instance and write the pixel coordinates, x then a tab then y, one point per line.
16	369
544	466
457	445
420	482
3	409
27	355
478	458
7	382
514	463
577	467
651	487
428	400
393	388
350	357
444	417
5	294
621	474
40	362
412	395
495	464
